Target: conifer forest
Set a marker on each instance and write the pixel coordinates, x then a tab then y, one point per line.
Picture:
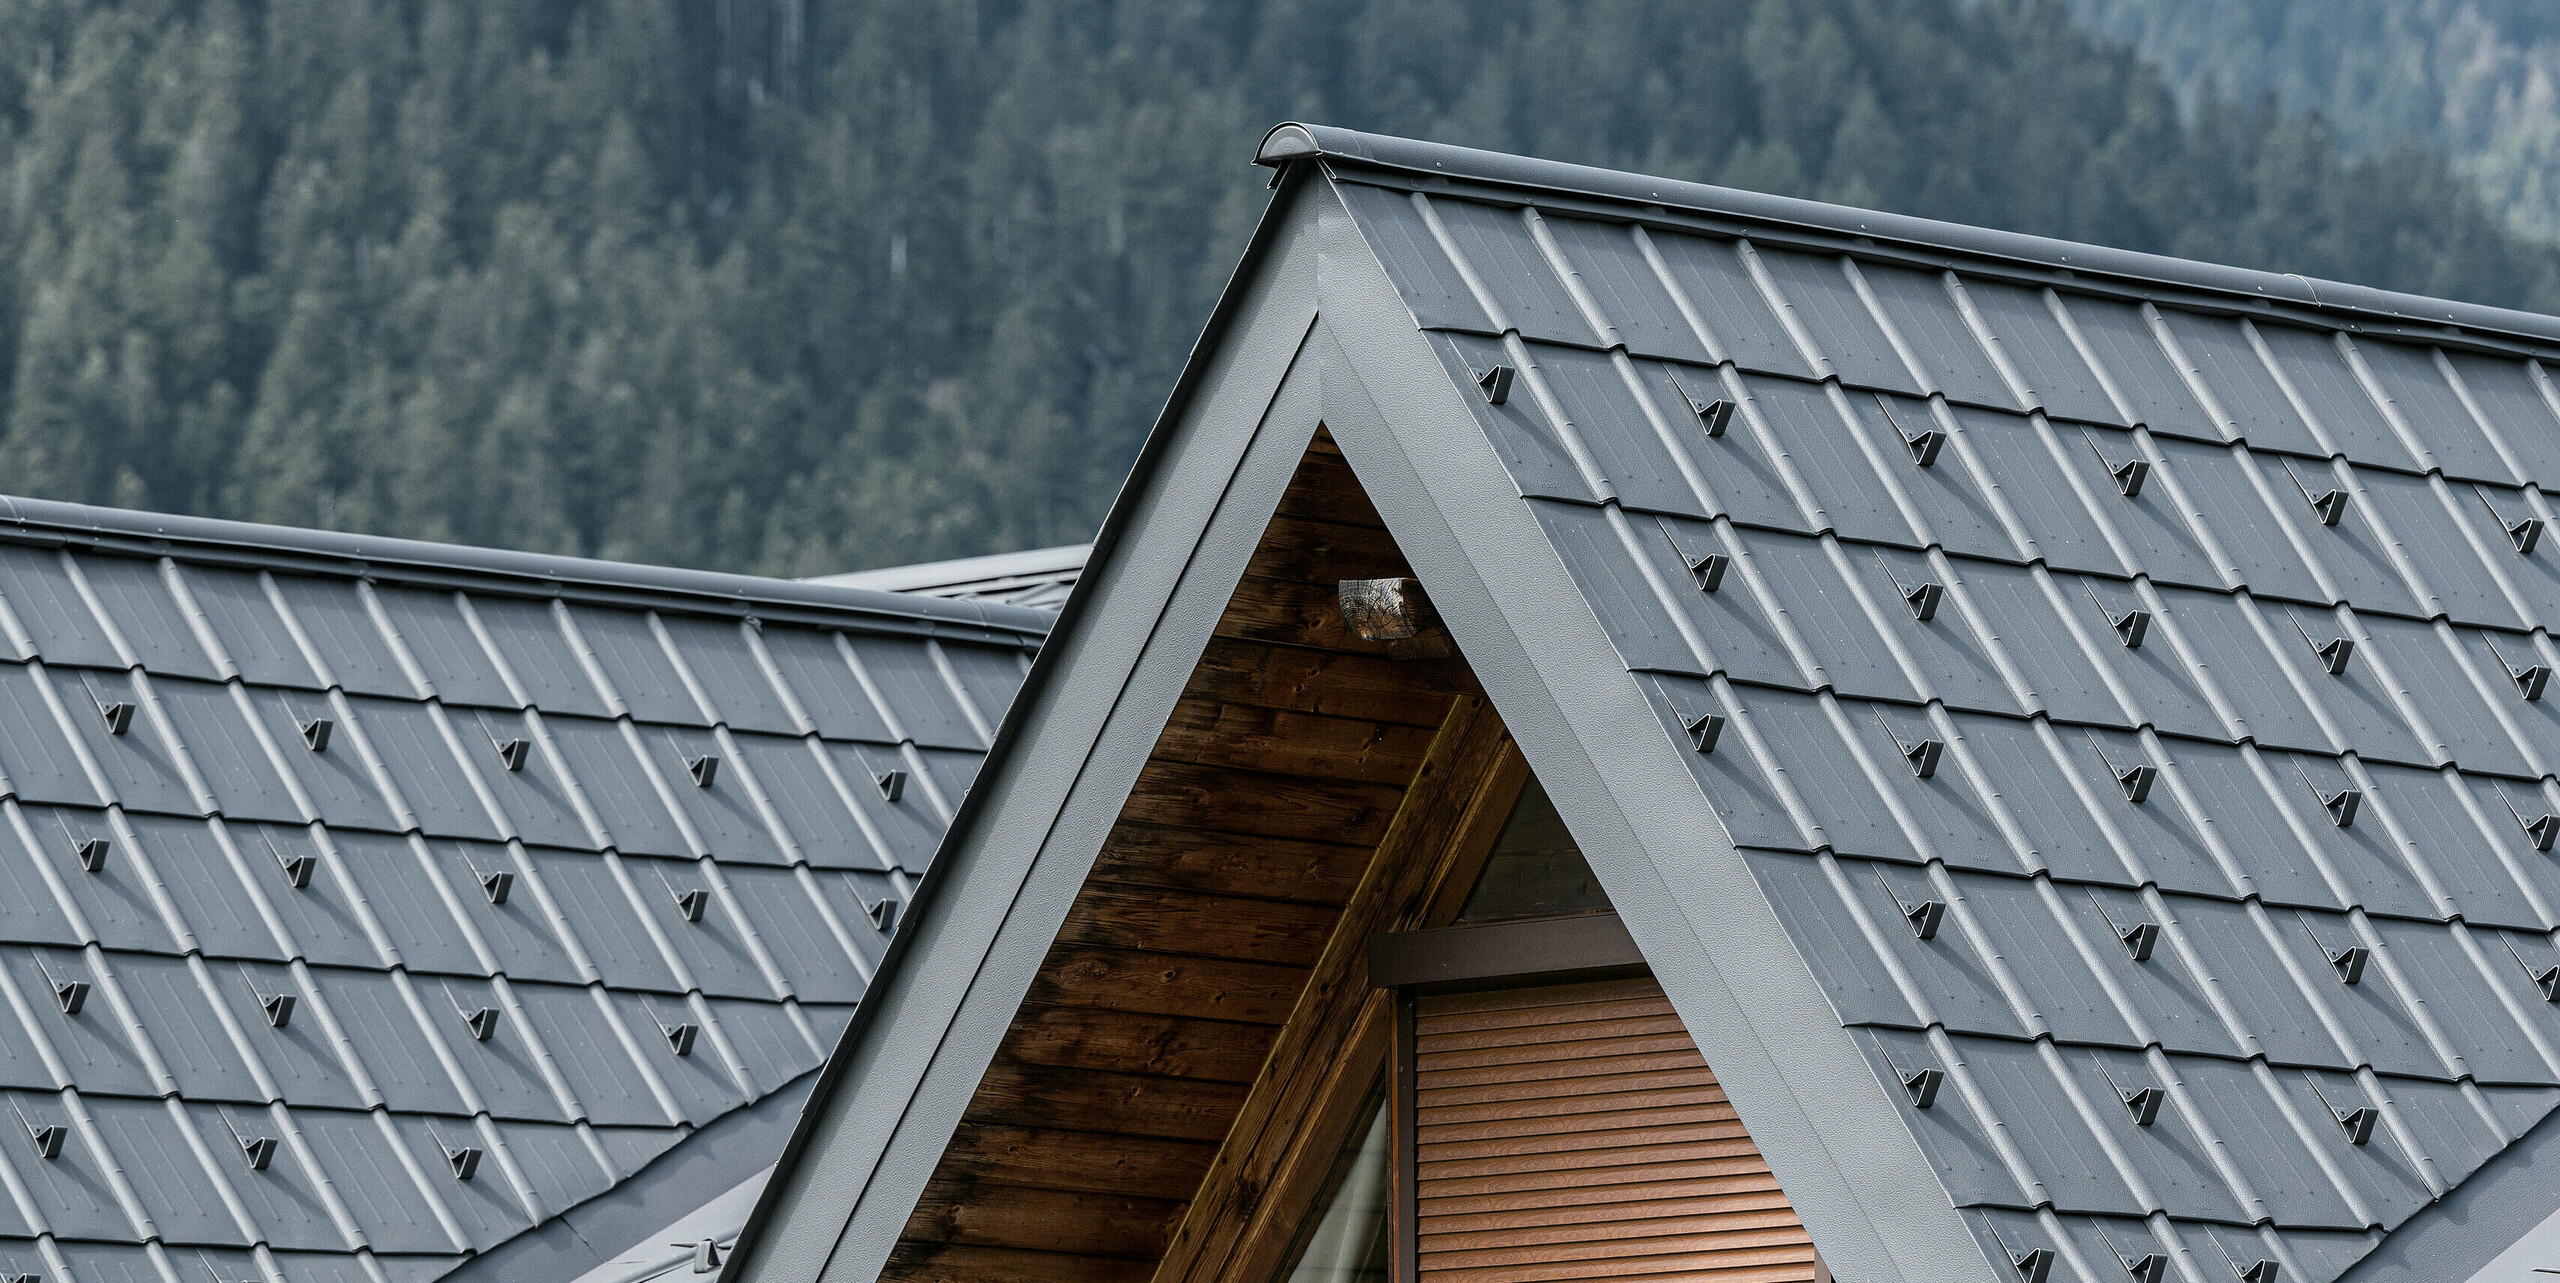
798	286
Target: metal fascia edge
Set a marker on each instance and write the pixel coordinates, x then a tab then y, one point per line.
1295	141
1152	457
539	574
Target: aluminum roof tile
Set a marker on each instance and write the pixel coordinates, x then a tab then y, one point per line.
2384	1171
785	908
433	633
1742	480
2218	487
1805	425
1818	293
636	667
1745	799
2222	790
1808	592
2416	675
1730	621
93	1045
213	732
2128	353
1953	509
2163	832
168	997
723	812
810	667
252	635
2164	994
2376	1014
421	763
702	1086
1950	650
139	765
635	818
2415	386
2036	794
1950	981
1926	319
556	1163
2356	552
2512	405
2035	635
2361	858
2231	639
1540	462
2436	834
338	779
176	1189
2315	368
2484	1006
714	950
321	918
2029	936
536	799
2018	465
1611	265
302	1056
388	1203
908	827
2165	691
1854	977
1712	277
989	677
768	1042
517	932
1431	284
2236	961
1619	433
114	903
741	693
1508	265
1958	1141
2236	1107
597	912
388	1037
505	1069
138	603
537	654
408	904
1949	815
605	1081
37	586
2021	321
2018	1084
822	829
73	1193
350	646
2152	524
2225	361
1638	621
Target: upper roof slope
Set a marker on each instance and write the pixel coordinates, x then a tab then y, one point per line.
2074	593
366	904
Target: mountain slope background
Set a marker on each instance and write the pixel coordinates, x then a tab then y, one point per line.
2478	80
799	287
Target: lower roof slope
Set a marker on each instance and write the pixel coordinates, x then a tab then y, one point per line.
371	909
1039	577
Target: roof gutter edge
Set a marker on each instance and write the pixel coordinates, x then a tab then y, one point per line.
544	573
1292	141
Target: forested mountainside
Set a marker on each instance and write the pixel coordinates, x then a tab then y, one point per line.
798	287
2477	79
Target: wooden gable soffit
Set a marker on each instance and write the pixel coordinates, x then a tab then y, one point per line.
1234	895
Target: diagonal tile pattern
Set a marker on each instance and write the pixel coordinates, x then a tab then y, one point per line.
362	909
2136	710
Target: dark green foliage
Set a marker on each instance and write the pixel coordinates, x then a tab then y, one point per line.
794	287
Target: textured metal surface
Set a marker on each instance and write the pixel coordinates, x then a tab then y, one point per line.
322	883
2307	811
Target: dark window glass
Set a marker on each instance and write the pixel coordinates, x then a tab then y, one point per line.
1535	870
1345	1237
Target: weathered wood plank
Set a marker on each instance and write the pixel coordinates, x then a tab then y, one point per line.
927	1262
1197	923
1313	746
1325	553
1168	985
989	1215
1019	1095
1058	1158
1283	806
1131	1043
1316	681
1141	854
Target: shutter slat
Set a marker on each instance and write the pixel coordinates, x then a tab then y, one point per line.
1574	1132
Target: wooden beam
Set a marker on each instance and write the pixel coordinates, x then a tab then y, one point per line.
1239	1224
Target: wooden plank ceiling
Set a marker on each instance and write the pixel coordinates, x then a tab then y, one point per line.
1251	826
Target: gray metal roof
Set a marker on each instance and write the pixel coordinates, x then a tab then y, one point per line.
1039	577
373	909
1913	421
2029	620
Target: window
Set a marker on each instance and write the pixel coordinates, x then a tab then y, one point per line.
1535	870
1347	1236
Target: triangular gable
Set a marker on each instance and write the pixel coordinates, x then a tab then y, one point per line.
1912	727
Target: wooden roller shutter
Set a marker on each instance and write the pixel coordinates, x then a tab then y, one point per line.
1574	1132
